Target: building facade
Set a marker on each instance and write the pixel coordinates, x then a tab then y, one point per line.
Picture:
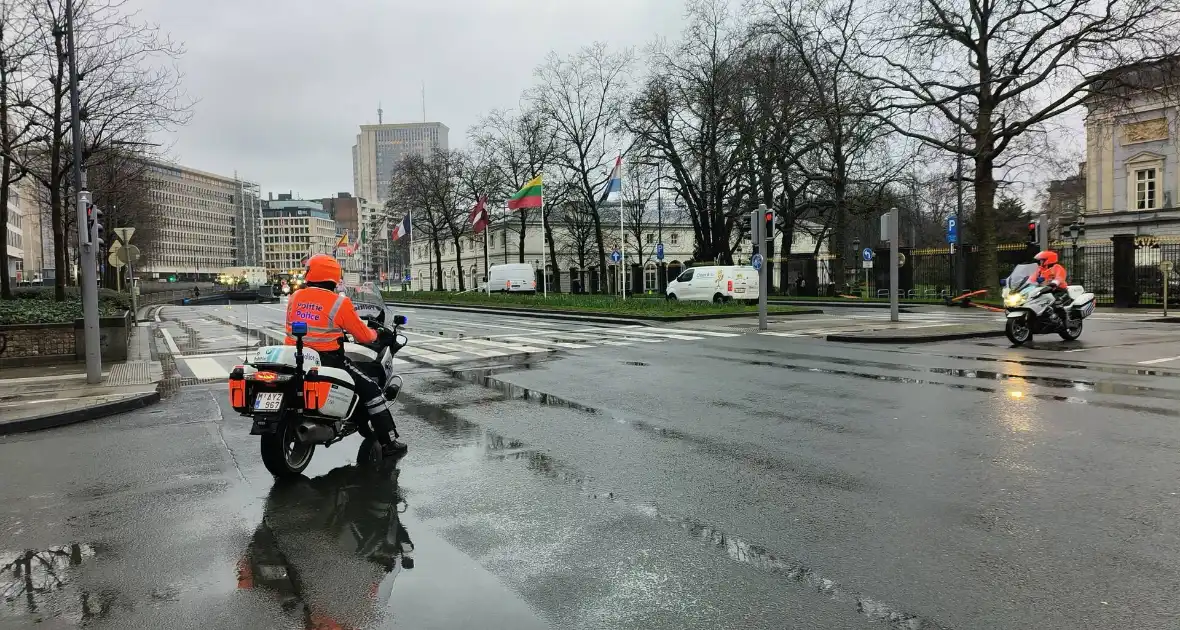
207	223
293	229
14	254
379	147
1132	148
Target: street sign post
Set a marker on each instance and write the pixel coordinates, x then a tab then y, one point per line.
894	252
756	262
615	256
952	231
659	251
758	236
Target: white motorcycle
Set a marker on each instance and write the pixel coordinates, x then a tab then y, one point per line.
1033	309
297	403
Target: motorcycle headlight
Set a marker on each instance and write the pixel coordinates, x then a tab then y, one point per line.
1014	299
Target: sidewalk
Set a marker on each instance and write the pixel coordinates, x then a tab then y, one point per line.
53	396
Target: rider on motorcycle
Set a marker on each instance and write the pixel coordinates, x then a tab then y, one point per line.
328	315
1052	274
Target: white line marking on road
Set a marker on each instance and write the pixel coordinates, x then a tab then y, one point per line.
206	368
507	346
608	342
479	352
170	342
1154	361
427	355
925	326
682	331
775	333
214	355
548	342
631	332
1075	350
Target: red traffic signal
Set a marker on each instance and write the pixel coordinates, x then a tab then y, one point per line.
769	216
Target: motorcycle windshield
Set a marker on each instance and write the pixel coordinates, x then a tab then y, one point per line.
368	301
1021	275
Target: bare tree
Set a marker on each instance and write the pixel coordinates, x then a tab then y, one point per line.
1012	66
582	98
639	187
117	178
127	90
410	191
17	48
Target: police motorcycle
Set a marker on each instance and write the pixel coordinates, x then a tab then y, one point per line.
1032	309
296	403
329	549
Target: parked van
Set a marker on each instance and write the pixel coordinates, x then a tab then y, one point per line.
513	278
715	284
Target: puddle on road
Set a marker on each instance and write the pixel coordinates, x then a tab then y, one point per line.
37	585
1162	411
736	549
1103	387
1109	369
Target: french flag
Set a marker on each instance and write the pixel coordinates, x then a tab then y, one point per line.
401	229
615	183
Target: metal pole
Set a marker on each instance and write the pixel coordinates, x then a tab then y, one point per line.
663	278
759	236
893	252
960	257
622	240
86	244
1165	292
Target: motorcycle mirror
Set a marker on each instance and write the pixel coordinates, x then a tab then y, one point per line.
401	340
399	320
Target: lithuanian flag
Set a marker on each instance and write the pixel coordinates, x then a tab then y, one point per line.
527	197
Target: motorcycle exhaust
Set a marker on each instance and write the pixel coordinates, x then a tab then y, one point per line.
312	433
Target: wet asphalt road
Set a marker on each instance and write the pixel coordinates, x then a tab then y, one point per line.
726	482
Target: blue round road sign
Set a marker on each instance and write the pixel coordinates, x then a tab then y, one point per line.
867	254
615	256
659	251
756	262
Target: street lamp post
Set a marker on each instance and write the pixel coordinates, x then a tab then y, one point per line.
86	236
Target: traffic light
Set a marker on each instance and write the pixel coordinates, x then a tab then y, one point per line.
769	233
1032	233
94	229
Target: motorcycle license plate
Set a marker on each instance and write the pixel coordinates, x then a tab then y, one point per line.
268	401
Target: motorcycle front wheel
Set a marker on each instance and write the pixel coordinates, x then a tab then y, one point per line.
282	452
1072	330
1018	331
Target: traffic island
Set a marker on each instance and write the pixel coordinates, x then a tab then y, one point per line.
920	334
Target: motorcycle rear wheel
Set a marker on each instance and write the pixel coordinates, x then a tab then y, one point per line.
1072	331
1018	331
282	452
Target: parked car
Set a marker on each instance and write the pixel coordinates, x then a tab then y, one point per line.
513	278
715	284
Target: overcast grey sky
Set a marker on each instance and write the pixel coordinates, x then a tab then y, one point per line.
283	85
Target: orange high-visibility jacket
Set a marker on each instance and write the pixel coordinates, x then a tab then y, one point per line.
1046	275
327	315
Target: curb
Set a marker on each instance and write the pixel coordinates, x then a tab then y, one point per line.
640	320
53	420
905	339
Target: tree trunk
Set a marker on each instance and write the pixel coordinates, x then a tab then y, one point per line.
524	216
784	256
459	261
556	288
5	177
601	251
986	274
434	241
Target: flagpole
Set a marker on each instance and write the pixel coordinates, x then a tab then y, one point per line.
487	271
622	235
410	214
544	262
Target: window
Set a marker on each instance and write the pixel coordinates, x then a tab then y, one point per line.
1145	188
673	238
686	276
649	238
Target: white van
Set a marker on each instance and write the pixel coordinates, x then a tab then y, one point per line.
513	278
715	284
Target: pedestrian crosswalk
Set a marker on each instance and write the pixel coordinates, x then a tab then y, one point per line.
434	350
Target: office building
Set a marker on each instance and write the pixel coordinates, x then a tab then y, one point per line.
14	255
207	222
293	229
379	147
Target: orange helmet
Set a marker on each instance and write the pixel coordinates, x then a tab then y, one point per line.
323	268
1046	258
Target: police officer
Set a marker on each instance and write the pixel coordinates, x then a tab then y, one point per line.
328	315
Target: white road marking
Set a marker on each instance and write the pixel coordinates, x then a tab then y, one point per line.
479	352
630	332
506	346
707	333
1154	361
775	333
170	342
206	368
213	355
427	355
548	342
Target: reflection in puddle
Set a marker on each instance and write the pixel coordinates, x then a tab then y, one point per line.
1162	411
36	584
1104	387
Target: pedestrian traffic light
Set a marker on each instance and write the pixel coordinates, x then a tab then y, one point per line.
769	233
94	228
